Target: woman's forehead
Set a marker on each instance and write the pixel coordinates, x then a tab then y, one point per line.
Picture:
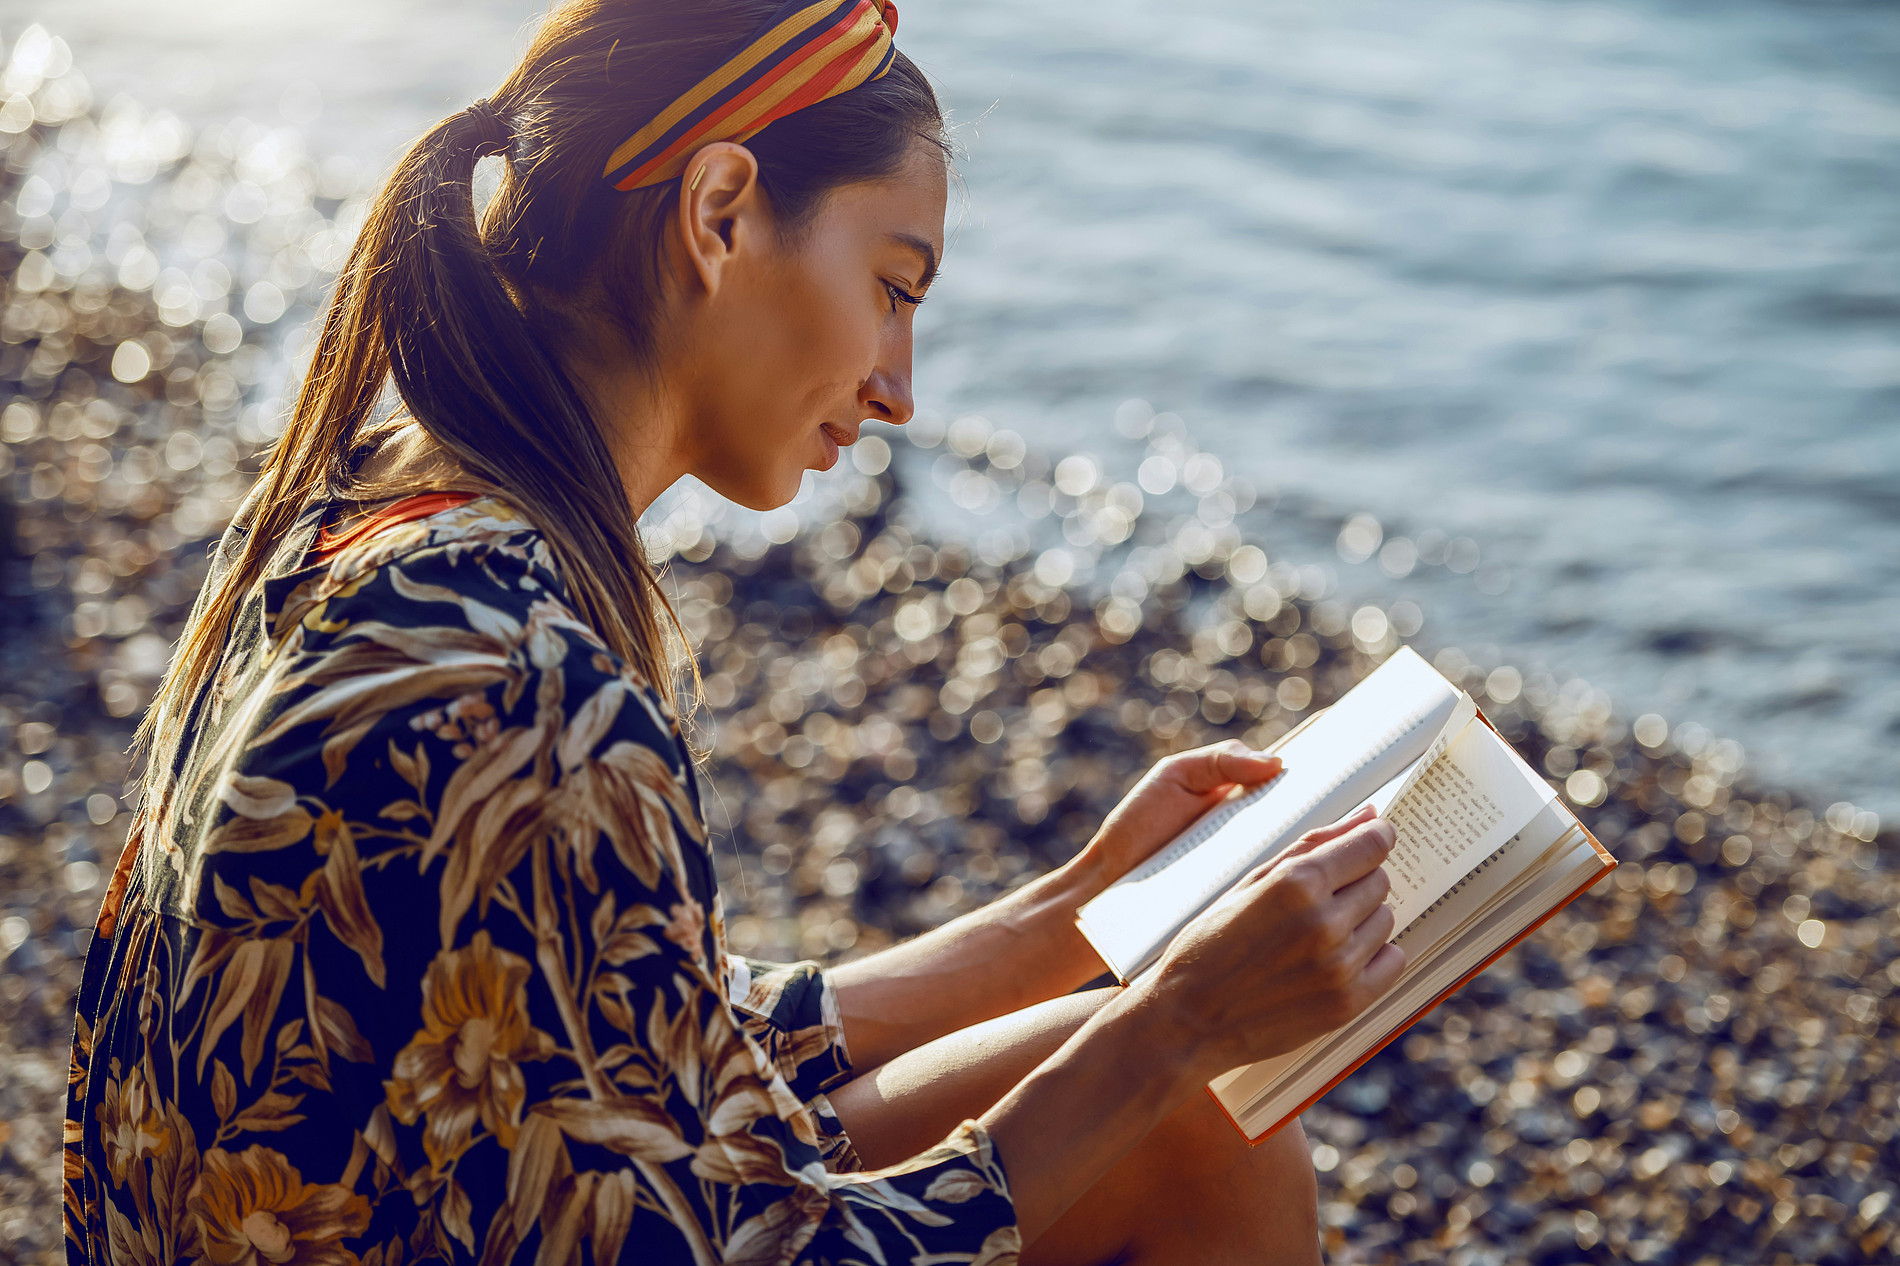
907	207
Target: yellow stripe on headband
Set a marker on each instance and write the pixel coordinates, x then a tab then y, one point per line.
754	53
838	44
763	109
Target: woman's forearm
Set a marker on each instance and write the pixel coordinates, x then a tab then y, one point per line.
1025	948
1067	1123
1017	951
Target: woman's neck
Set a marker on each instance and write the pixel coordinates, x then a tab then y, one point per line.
641	421
650	458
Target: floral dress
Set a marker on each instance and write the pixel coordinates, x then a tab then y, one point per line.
416	953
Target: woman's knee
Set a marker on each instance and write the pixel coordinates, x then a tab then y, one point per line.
1285	1164
1195	1186
1199	1137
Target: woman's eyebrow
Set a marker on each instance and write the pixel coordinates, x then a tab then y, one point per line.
925	251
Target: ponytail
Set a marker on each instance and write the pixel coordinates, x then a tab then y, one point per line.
419	304
473	364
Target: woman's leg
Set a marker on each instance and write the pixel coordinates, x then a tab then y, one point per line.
1192	1191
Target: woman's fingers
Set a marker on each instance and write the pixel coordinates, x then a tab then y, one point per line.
1345	857
1364	896
1357	853
1382	962
1322	834
1383	971
1247	768
1374	929
1209	769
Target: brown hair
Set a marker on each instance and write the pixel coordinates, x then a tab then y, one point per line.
462	318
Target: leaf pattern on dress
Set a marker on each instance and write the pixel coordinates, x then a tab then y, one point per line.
417	953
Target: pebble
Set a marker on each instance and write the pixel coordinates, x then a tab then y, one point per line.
1692	1064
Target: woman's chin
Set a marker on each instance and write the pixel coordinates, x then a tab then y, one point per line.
762	490
766	495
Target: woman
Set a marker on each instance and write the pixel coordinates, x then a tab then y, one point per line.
416	949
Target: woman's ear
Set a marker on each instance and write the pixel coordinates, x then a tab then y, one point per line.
721	211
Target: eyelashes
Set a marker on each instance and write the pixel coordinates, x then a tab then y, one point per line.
900	295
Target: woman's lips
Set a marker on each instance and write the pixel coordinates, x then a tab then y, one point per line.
836	438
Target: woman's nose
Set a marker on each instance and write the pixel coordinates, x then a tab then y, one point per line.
885	396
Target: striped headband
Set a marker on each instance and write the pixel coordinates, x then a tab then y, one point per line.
807	53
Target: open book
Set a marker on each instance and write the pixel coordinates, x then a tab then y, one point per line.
1484	853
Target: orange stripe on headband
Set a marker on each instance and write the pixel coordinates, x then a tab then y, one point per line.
806	54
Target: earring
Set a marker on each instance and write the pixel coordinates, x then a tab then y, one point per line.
697	177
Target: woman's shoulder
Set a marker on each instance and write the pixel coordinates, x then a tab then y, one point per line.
484	529
472	590
446	644
466	556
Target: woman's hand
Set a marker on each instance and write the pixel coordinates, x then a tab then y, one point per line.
1295	950
1166	802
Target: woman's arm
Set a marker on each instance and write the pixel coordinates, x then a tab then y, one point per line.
1015	952
1024	948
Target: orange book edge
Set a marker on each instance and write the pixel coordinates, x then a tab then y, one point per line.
1609	864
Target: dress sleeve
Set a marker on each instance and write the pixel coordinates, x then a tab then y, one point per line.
791	1010
573	1067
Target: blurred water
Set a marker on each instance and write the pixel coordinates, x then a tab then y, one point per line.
1609	292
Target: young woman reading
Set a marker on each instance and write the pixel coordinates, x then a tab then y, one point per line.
416	952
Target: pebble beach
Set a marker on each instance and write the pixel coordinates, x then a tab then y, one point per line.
1691	1064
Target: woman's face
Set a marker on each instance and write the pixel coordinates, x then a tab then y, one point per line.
789	342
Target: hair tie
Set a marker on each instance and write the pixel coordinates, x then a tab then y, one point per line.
492	133
806	53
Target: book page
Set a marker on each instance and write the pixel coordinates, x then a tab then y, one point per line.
1472	799
1358	745
1499	878
1383	799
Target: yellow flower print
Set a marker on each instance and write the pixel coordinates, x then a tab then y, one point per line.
130	1125
469	722
464	1065
686	925
254	1208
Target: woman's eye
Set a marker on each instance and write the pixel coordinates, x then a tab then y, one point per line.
900	295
